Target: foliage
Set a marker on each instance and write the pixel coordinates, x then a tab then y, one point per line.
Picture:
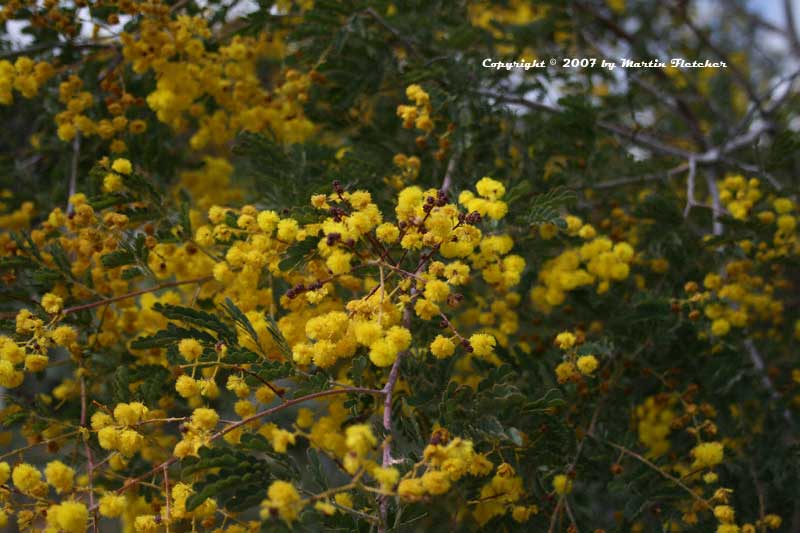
312	265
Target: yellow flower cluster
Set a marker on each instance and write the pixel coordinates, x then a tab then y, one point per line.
598	261
446	460
654	423
119	432
574	364
24	76
417	115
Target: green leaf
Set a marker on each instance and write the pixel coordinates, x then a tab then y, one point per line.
241	319
198	318
169	336
117	258
547	208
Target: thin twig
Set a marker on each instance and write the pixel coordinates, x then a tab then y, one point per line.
653	466
448	174
690	201
88	450
716	204
129	484
133	294
73	172
407	44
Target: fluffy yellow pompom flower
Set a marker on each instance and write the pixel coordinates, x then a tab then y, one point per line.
360	439
562	484
436	291
410	489
190	349
435	482
724	513
5	472
587	364
565	371
283	499
52	303
64	335
442	347
482	344
205	418
708	454
60	476
112	182
387	232
129	414
565	340
720	327
383	353
129	442
27	479
187	387
112	505
69	517
489	188
123	166
339	262
387	477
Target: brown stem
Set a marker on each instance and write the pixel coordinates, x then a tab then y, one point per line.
88	451
266	412
92	305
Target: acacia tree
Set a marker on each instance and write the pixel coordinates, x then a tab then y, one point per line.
333	265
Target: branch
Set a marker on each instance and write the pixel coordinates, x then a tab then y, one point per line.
791	27
133	294
690	201
88	450
73	171
43	47
716	205
224	431
407	44
451	169
655	467
758	363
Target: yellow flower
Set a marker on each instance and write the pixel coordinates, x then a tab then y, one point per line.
482	344
112	182
708	454
587	364
383	353
435	482
442	347
724	513
387	233
123	166
339	262
190	349
187	387
490	189
5	472
720	327
112	505
60	476
204	418
69	517
283	499
436	291
411	489
27	479
562	484
565	340
52	303
360	439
